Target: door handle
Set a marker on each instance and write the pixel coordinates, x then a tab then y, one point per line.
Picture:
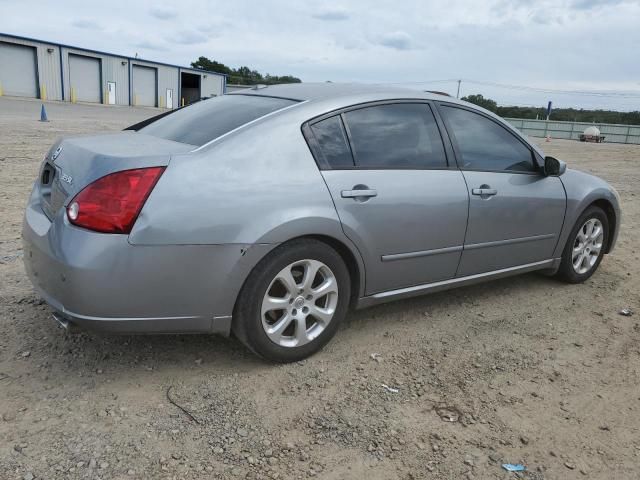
365	193
484	191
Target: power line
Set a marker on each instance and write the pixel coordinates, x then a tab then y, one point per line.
609	94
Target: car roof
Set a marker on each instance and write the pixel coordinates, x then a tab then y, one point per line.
325	97
309	92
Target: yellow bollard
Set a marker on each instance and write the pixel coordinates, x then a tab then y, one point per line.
43	93
74	97
1	92
183	101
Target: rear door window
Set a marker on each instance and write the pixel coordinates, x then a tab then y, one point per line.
331	143
402	135
209	119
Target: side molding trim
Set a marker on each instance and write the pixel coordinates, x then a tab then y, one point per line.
423	253
454	282
510	241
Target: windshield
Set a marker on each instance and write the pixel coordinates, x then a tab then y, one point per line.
206	120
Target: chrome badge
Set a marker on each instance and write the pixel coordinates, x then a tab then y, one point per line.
56	154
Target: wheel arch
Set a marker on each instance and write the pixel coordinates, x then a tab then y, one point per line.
352	260
612	219
348	253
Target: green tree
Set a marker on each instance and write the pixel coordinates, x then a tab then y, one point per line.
203	63
558	114
479	100
242	75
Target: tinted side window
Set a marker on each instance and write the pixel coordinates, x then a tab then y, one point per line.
403	135
485	145
332	142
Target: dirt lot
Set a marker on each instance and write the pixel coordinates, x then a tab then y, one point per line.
527	369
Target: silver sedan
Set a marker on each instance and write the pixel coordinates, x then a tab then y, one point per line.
270	212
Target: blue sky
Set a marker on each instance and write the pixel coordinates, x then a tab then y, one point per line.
568	45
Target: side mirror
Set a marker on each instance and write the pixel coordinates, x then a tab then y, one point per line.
554	167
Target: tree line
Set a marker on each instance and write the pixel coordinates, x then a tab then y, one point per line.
558	114
242	75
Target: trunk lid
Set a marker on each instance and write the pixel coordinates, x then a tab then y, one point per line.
73	163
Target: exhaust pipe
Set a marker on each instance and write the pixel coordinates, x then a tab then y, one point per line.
64	322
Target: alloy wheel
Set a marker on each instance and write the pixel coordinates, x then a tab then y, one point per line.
587	246
300	303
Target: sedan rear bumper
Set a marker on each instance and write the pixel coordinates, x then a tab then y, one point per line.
102	282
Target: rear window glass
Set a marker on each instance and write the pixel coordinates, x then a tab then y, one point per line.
207	120
332	141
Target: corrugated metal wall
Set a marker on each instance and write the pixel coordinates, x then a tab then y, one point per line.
212	85
48	66
116	69
167	78
113	70
54	79
613	133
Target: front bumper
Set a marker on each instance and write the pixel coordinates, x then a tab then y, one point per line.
102	282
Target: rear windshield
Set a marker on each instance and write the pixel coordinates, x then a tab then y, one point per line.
206	120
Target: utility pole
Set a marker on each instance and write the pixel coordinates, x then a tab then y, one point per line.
458	93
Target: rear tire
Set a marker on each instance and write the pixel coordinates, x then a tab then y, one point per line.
585	247
293	301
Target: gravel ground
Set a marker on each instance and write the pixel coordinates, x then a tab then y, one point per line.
522	370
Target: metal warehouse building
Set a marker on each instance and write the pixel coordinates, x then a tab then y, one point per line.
52	71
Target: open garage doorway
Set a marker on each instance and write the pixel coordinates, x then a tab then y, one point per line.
190	88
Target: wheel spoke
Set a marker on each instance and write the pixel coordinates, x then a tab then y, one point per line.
301	331
322	315
581	235
277	329
325	288
286	278
310	271
589	228
270	304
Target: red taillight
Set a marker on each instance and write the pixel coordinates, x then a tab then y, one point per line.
112	203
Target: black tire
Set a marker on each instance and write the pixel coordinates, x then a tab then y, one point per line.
247	316
566	272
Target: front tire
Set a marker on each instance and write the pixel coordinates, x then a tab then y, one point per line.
293	301
585	247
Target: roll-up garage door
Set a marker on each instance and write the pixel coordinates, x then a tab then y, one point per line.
18	72
84	78
144	85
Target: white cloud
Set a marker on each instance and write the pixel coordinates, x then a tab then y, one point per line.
331	14
87	24
398	40
163	13
189	37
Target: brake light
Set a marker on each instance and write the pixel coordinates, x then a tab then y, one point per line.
112	203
